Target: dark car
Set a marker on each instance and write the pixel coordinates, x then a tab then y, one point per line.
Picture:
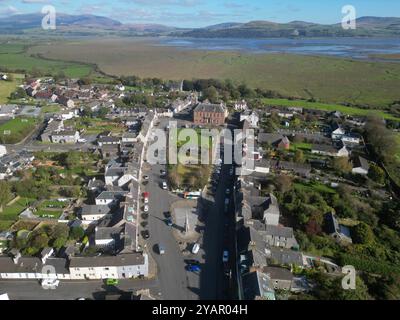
167	215
192	261
193	268
146	234
168	221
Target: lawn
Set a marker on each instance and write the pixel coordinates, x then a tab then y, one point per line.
10	213
95	126
332	80
328	107
51	108
300	145
52	204
6	224
54	214
15	130
314	186
7	87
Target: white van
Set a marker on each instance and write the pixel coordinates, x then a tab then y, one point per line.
196	248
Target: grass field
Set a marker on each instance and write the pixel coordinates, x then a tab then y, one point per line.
10	213
300	145
7	87
15	130
13	57
329	79
328	107
314	186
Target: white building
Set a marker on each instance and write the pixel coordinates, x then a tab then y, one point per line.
360	166
251	117
3	151
94	212
123	266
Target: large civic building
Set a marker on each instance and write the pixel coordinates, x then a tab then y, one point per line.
210	114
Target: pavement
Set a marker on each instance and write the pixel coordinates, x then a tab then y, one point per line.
72	290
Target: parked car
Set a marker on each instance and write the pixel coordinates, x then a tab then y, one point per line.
146	178
225	256
164	185
195	248
163	173
50	284
192	261
161	249
146	208
112	282
146	200
228	191
146	234
168	221
193	268
167	214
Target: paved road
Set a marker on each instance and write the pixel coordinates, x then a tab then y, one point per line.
72	290
175	281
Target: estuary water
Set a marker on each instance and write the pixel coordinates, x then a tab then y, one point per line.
354	48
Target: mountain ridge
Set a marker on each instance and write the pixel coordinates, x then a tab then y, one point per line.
92	24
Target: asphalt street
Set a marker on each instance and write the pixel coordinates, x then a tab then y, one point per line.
72	290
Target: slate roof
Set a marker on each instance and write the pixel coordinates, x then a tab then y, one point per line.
130	259
208	107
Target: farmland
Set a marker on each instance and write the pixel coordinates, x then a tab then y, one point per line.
15	130
328	79
14	57
328	107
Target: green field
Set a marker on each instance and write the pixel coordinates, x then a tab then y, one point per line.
13	57
300	145
315	186
10	213
7	87
331	80
328	107
15	130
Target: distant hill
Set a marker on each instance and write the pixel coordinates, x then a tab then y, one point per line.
92	25
366	26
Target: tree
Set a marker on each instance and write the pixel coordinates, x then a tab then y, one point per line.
40	241
60	231
362	234
76	233
342	164
376	174
283	183
5	194
299	156
211	94
59	243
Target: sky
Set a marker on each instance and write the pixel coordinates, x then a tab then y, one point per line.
199	13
